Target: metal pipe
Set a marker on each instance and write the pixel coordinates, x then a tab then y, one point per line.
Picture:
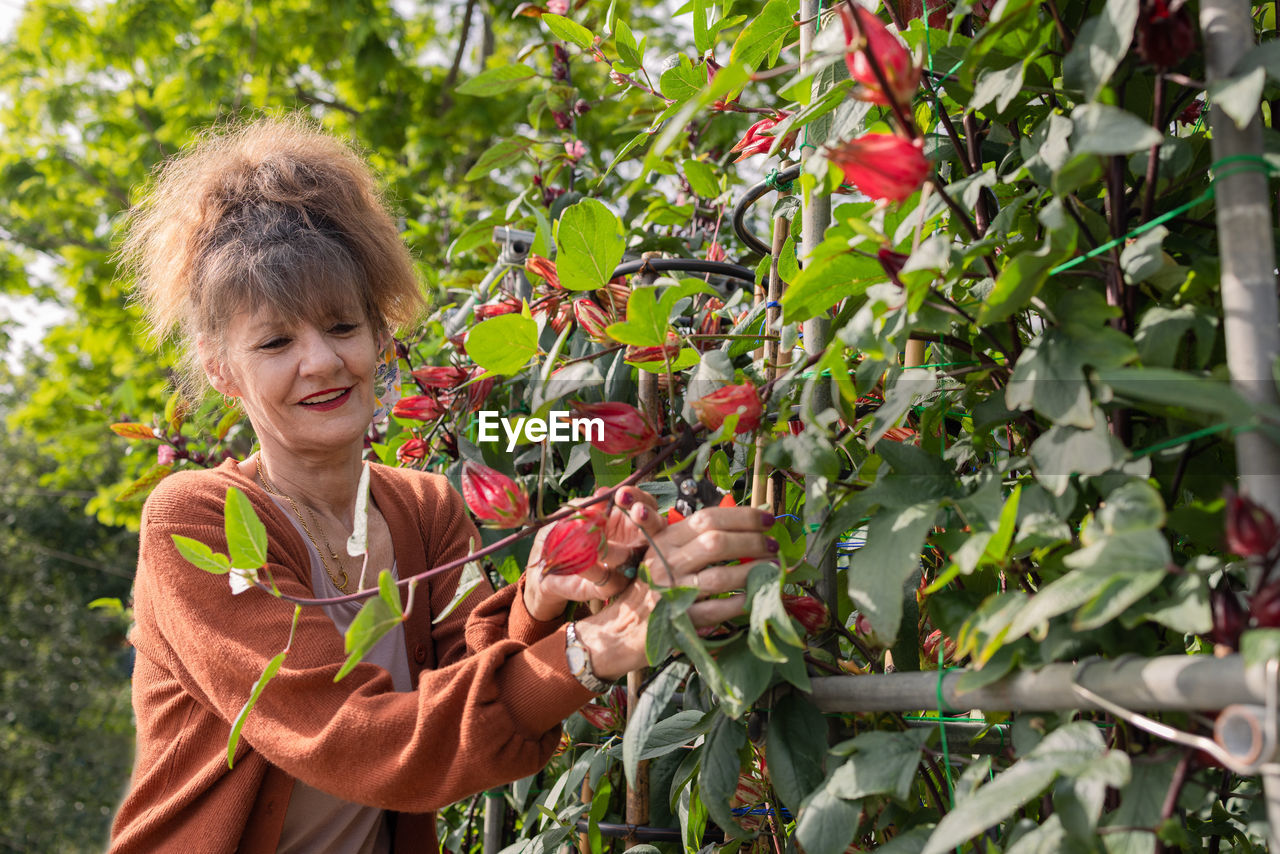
1175	682
1243	213
686	265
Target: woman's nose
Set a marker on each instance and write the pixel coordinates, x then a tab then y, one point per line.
319	355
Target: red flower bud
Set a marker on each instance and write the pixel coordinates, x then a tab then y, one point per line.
930	647
741	399
900	434
1165	33
759	138
543	268
412	451
572	545
493	497
626	431
1250	528
439	376
418	407
892	262
1229	618
882	165
592	318
864	33
477	392
1191	114
809	612
655	354
1265	607
506	305
600	717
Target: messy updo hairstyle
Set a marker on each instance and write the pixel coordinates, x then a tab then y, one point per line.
274	214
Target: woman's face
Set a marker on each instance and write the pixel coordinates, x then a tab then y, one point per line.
306	385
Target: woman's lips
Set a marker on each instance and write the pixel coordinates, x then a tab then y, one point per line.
326	405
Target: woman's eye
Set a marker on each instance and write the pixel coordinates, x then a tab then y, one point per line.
344	328
275	343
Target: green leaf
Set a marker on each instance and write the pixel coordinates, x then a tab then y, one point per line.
682	81
998	85
503	344
1179	389
589	245
877	571
653	702
702	178
826	823
882	763
701	36
794	748
272	668
1239	96
1103	129
1066	750
1258	646
1063	451
1116	597
246	535
377	616
569	30
1099	47
743	670
471	578
766	31
767	614
718	776
495	81
502	153
824	282
200	555
1022	278
625	42
686	358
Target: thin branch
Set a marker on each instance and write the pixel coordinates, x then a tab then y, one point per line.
312	99
446	98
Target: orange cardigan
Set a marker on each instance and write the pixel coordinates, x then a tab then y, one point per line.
492	684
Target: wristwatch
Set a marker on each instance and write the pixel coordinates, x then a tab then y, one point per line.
579	660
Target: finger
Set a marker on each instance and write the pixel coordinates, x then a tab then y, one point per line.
722	579
629	496
707	548
708	612
722	519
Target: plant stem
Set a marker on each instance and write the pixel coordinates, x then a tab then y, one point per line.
1171	796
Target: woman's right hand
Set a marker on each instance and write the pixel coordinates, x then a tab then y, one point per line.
691	553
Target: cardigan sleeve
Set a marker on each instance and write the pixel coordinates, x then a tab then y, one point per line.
484	618
483	720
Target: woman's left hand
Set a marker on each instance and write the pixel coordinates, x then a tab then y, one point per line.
632	515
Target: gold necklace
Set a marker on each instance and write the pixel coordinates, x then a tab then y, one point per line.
340	580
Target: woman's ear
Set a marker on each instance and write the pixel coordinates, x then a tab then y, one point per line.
214	369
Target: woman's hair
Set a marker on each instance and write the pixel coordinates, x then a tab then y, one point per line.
273	214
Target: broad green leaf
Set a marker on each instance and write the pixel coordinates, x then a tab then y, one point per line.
682	81
201	556
643	326
496	80
743	670
589	245
648	711
768	616
1023	277
1063	451
146	481
1258	646
568	30
686	358
691	644
1104	129
1116	596
272	668
625	42
471	578
246	535
502	153
794	748
877	571
702	178
826	823
503	344
1135	506
1063	751
911	385
377	616
1000	86
825	282
718	776
1239	96
1161	332
1099	47
766	31
1181	390
881	763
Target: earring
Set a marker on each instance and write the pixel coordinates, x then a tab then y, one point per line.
230	402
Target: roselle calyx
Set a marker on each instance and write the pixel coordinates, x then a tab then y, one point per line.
494	498
626	431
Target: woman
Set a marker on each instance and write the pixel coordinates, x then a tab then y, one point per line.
269	252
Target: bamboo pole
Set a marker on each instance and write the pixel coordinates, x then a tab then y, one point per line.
1171	683
762	485
815	216
1243	212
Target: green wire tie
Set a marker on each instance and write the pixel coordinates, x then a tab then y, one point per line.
942	706
1247	163
772	180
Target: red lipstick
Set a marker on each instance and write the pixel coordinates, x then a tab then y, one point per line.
327	405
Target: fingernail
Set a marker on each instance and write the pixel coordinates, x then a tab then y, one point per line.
642	514
771	545
706	631
625	499
767	518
